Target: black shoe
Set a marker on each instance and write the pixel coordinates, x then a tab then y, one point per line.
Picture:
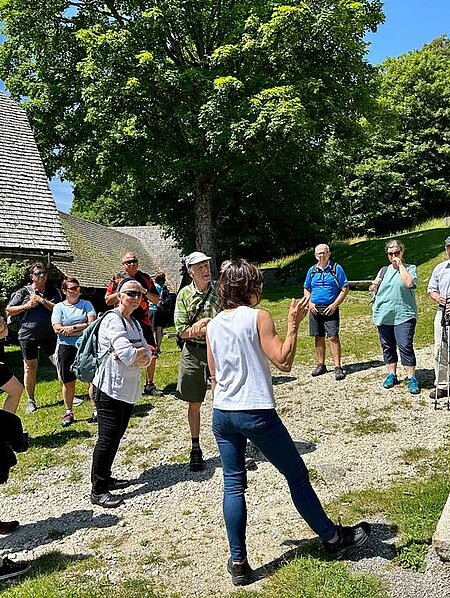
349	537
106	500
240	572
6	527
441	393
320	369
10	569
250	464
115	484
150	389
93	419
196	462
339	373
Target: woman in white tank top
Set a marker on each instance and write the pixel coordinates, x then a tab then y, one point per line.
241	341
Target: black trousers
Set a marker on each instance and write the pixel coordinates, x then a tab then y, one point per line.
113	417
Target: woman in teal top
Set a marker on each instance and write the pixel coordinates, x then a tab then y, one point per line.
394	312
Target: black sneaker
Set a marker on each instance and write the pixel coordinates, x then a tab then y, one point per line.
150	389
93	419
339	373
320	369
196	462
349	537
240	572
10	569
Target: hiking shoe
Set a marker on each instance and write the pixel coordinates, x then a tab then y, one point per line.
106	500
6	527
31	406
349	537
240	572
250	464
390	381
441	393
10	569
196	462
67	419
339	373
150	389
413	385
77	401
93	419
320	369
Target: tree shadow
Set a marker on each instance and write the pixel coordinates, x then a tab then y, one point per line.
379	545
48	530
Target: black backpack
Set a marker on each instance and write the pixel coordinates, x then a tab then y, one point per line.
165	301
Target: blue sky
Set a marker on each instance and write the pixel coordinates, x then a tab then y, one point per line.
408	26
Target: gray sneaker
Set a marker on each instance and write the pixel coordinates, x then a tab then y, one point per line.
339	373
31	406
320	369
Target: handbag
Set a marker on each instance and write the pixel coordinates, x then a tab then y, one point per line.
180	341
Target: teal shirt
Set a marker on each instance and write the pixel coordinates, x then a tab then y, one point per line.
394	303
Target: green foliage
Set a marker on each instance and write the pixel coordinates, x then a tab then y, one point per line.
12	274
400	174
209	117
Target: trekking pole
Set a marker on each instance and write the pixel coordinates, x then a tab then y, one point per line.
444	341
446	317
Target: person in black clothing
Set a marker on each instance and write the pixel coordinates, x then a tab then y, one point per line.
34	304
12	440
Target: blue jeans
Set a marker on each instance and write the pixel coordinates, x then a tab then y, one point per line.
265	429
401	336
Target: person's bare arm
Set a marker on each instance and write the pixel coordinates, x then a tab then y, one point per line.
281	353
211	366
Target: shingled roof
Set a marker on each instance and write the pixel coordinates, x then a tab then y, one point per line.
98	250
29	221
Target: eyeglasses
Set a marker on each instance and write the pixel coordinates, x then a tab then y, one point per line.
72	288
40	273
321	253
393	253
130	262
134	294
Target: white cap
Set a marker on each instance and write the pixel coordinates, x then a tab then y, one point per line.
195	258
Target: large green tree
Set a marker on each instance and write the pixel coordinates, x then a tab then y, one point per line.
203	115
402	175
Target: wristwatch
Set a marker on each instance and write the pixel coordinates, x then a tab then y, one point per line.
74	327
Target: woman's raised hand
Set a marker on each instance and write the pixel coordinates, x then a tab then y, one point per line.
297	311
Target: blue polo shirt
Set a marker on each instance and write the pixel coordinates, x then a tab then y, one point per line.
323	286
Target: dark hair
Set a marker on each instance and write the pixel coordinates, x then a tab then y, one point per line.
69	279
125	280
238	282
39	265
160	278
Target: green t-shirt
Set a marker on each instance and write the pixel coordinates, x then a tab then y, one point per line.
394	303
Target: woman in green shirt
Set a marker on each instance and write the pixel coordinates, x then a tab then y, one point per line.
394	312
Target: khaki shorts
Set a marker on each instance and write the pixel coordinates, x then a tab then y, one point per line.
192	373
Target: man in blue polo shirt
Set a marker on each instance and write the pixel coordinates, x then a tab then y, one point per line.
326	287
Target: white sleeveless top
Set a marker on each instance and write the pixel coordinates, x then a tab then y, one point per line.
243	378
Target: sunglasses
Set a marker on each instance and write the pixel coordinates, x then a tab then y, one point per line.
134	294
40	273
130	262
72	288
393	253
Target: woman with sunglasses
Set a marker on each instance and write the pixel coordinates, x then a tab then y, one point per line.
394	312
69	319
241	341
117	387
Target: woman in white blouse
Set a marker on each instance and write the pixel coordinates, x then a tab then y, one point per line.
117	388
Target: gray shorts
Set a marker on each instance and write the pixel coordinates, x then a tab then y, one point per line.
320	325
192	373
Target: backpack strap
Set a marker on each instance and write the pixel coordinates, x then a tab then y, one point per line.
333	272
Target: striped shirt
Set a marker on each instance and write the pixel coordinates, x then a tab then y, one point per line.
188	301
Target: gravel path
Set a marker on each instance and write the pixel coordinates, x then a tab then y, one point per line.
171	524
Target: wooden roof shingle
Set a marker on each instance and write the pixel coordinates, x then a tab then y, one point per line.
29	221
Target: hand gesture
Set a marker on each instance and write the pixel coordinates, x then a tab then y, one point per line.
297	311
396	262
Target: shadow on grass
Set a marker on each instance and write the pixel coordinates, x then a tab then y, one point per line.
48	530
57	439
378	545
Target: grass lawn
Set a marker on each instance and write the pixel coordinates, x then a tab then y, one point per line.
412	506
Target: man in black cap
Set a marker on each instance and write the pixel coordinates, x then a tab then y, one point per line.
439	291
196	304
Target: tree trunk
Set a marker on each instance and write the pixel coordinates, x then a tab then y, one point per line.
204	234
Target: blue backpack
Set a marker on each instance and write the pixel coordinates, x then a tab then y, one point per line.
87	359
